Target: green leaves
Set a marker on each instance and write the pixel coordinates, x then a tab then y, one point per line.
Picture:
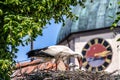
115	23
12	2
5	65
21	18
1	12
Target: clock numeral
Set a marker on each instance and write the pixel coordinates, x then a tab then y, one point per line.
103	66
84	49
85	63
96	68
96	41
102	42
90	68
89	43
108	46
107	60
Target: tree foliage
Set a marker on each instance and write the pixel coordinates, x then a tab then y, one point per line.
26	18
117	20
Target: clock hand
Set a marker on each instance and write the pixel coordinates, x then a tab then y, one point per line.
94	59
102	54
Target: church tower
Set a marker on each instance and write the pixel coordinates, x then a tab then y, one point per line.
91	36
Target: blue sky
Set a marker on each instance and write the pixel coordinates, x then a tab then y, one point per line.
49	37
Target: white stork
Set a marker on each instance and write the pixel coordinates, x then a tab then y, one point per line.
58	52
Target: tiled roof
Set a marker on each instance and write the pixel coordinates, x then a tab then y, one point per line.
33	66
25	64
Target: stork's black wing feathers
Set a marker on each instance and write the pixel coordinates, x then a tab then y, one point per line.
32	53
38	53
43	54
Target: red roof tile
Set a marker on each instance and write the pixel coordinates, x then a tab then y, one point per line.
33	66
18	65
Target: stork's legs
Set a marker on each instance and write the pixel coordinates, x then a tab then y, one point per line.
56	63
80	62
64	58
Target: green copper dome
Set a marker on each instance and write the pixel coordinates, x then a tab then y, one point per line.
95	15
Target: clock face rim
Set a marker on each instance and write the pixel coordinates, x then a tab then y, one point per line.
107	60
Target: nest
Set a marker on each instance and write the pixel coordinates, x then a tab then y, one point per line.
71	75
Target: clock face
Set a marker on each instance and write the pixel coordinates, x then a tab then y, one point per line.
97	55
